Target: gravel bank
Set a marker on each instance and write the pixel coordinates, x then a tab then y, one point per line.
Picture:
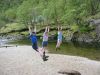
23	60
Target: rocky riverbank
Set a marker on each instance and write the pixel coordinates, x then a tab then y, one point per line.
69	34
8	38
23	60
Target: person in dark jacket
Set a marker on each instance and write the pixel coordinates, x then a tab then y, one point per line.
33	38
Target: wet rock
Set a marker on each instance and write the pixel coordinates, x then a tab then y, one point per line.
75	36
85	38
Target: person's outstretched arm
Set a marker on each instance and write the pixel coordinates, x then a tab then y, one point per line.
48	29
61	28
30	29
58	28
35	29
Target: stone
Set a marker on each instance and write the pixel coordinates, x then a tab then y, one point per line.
69	72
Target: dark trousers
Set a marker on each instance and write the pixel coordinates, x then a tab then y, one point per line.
34	46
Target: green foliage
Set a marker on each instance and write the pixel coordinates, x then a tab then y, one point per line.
86	28
92	6
74	28
68	12
11	14
24	12
12	27
97	16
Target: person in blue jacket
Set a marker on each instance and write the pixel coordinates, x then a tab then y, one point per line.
33	38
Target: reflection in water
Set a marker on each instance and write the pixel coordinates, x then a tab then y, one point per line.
94	45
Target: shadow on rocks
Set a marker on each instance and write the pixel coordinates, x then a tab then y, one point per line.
69	72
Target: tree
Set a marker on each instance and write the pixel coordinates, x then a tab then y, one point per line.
92	6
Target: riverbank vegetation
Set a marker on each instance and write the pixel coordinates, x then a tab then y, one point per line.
73	15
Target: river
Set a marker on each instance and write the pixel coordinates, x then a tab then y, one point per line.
76	49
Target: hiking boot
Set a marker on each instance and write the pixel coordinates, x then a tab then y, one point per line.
44	57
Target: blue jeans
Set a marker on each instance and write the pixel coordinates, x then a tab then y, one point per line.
44	43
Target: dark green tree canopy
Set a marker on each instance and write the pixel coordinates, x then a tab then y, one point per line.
47	11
